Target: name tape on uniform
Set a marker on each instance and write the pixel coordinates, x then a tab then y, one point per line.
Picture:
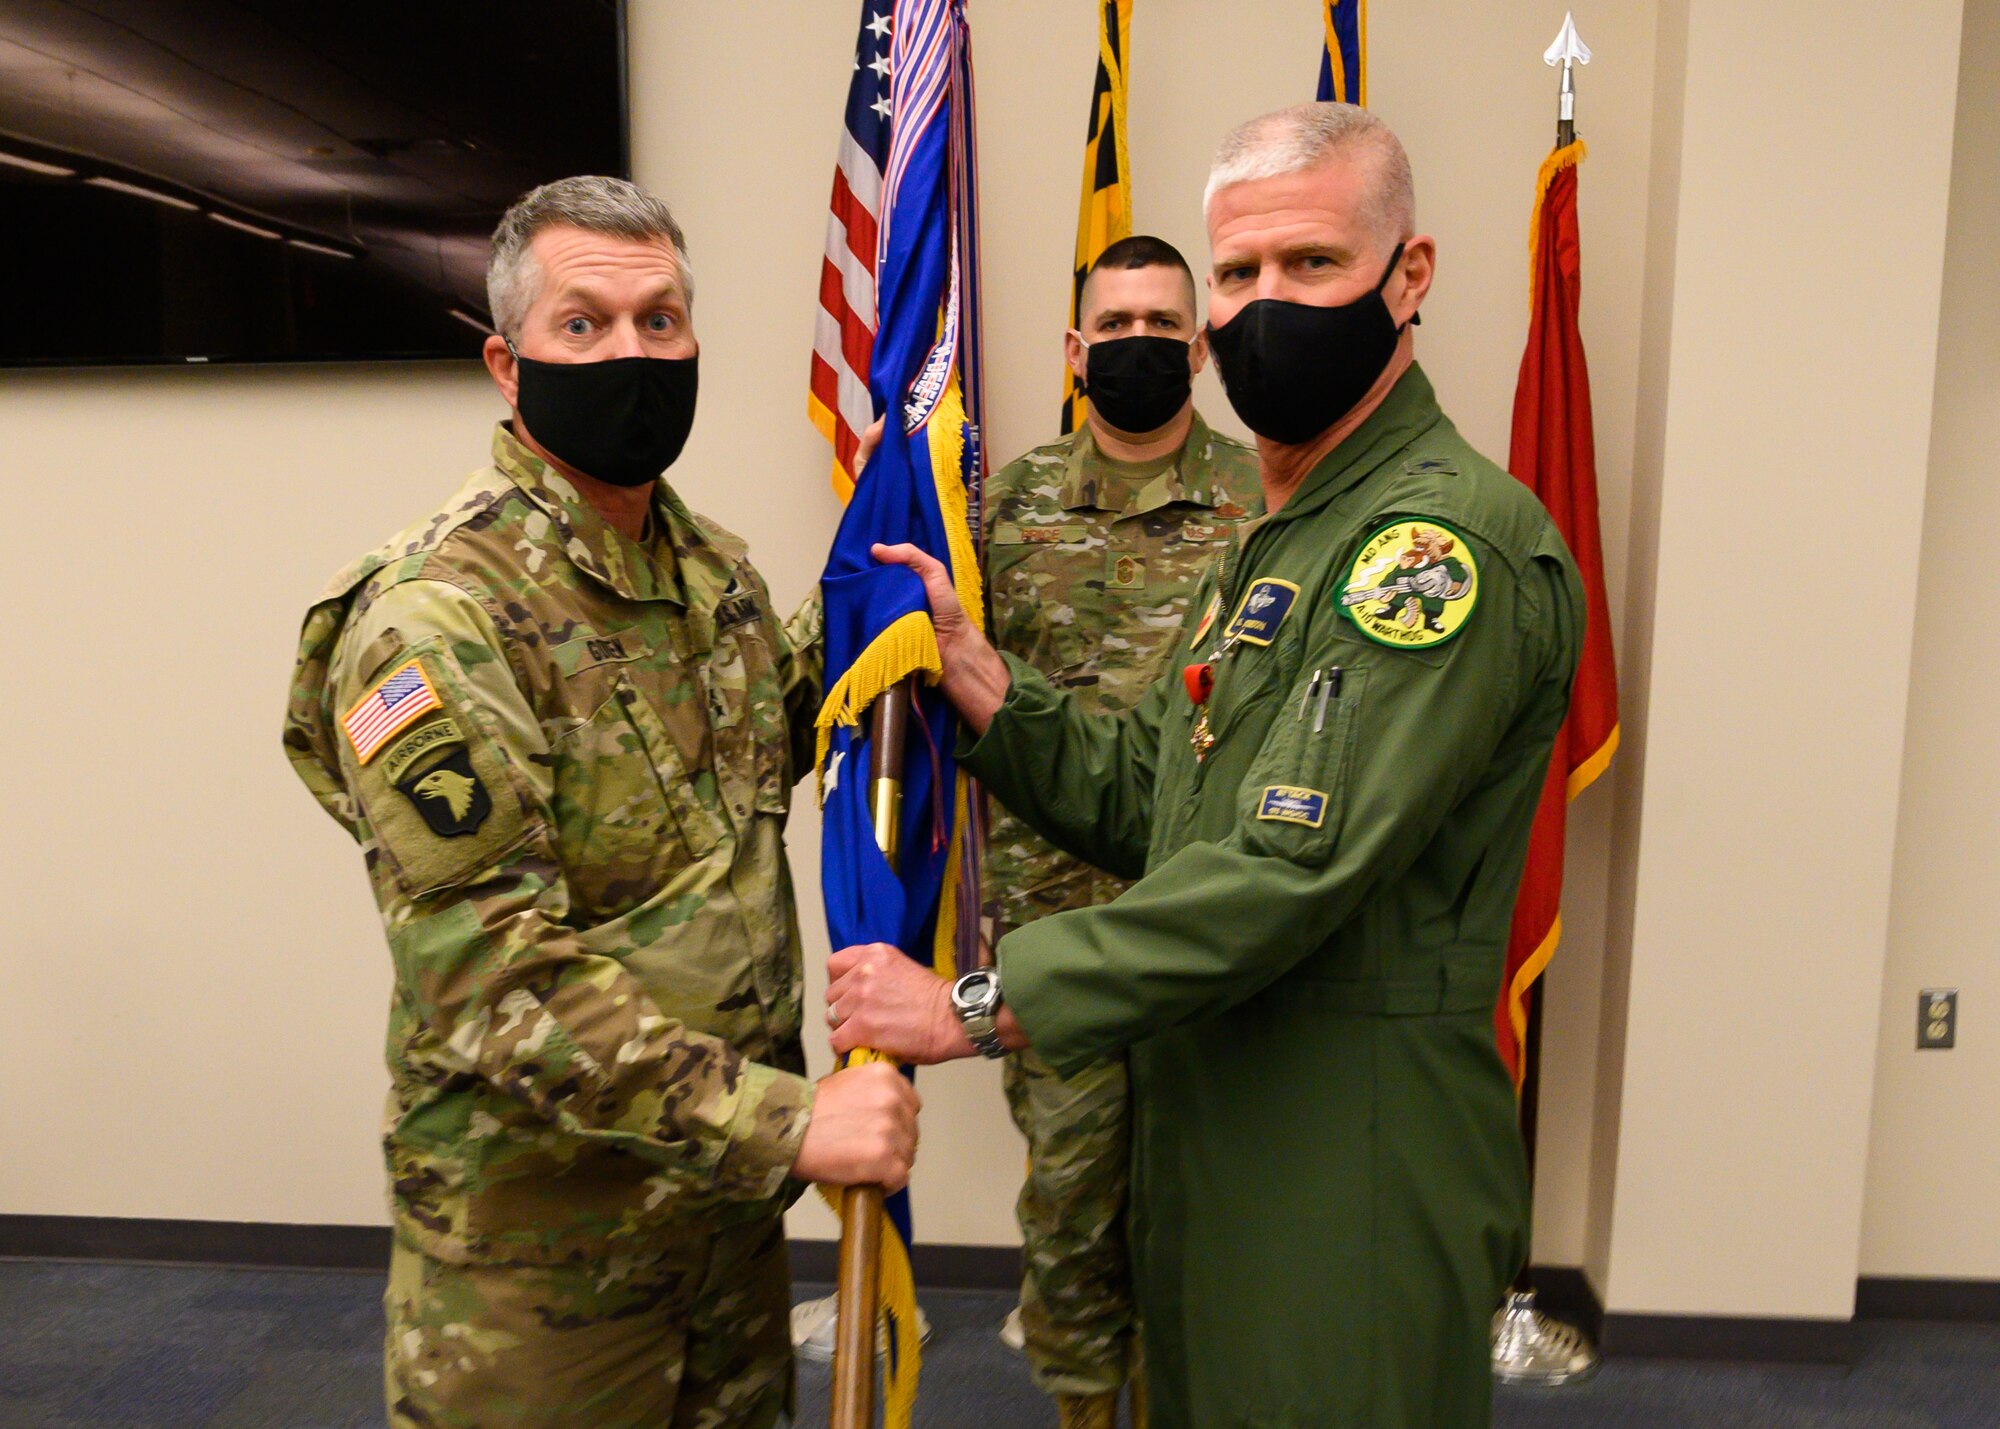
1264	608
1289	804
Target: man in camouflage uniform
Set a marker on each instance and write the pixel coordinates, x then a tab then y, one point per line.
563	723
1094	544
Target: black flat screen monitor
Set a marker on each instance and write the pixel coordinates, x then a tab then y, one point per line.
276	180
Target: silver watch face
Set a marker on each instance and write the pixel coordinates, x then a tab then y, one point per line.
976	993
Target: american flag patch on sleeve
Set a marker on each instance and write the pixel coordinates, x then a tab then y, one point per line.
402	696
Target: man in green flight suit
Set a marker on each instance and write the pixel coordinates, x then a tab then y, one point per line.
563	723
1330	809
1095	543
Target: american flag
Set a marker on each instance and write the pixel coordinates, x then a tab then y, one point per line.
387	708
844	328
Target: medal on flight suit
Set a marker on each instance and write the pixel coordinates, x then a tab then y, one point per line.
1263	609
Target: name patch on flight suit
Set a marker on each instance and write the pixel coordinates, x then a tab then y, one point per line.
1289	804
1264	608
1413	585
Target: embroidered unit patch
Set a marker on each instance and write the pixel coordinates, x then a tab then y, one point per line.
392	705
1413	584
1289	804
1264	608
449	795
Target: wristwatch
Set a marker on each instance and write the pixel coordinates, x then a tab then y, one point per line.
976	999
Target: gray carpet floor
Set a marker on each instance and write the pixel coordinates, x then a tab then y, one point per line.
130	1347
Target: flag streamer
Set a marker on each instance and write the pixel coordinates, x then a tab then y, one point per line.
1104	214
1554	453
1343	61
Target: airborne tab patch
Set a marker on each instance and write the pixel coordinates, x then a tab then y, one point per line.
1264	608
1413	584
395	702
417	744
1289	804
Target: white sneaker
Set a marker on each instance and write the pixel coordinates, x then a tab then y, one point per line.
813	1323
1011	1333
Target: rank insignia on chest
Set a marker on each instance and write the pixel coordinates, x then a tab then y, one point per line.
737	607
1264	608
1128	573
1413	584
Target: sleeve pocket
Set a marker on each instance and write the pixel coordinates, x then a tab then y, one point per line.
439	799
1295	795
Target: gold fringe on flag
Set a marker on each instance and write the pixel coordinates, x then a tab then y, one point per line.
1567	157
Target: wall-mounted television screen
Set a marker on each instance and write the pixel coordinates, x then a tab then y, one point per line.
270	180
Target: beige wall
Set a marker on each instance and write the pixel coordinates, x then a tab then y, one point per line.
1792	429
1934	1160
191	954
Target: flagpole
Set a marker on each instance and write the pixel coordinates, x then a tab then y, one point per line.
1528	1346
861	1215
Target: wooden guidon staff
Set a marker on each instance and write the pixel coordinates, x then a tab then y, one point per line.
861	1217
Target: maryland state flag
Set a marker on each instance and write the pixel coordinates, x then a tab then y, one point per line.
1105	214
1343	63
920	487
1553	452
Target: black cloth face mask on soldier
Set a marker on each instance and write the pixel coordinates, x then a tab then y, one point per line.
1292	370
623	420
1137	384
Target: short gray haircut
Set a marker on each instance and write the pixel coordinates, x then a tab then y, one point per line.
1286	141
591	202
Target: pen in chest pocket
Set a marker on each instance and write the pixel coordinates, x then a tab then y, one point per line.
1328	689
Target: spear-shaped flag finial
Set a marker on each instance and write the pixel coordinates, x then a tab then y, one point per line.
1568	49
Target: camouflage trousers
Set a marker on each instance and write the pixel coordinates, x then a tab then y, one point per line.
691	1335
1076	1290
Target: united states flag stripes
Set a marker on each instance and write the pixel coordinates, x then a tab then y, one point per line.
844	328
389	707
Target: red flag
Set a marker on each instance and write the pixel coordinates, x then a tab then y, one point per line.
1553	453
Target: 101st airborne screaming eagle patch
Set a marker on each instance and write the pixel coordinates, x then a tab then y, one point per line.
1413	585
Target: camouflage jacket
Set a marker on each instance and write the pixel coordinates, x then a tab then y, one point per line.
568	760
1093	597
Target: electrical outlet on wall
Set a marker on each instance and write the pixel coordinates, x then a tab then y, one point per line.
1937	1019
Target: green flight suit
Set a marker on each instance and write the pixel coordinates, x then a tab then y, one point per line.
1329	1188
1090	569
568	759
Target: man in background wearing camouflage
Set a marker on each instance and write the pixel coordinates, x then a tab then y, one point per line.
1095	543
563	724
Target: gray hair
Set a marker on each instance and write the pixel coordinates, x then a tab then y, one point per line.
596	204
1286	141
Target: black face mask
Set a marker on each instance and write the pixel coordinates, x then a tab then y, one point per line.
1292	370
623	420
1137	384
